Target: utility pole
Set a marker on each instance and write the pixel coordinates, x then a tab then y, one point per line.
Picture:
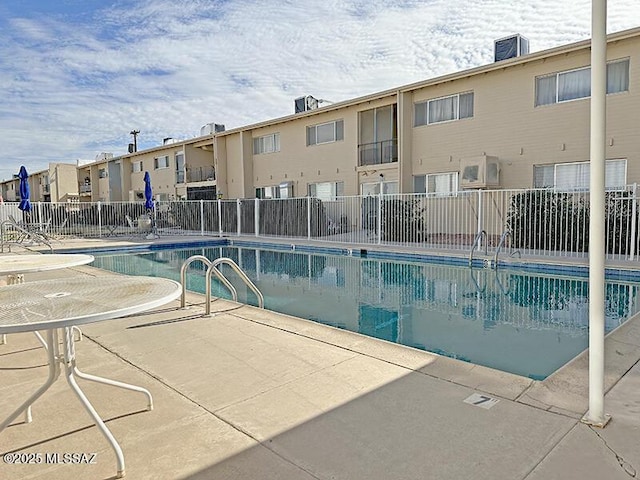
135	139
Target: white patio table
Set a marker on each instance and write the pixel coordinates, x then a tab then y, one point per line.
57	305
16	265
20	264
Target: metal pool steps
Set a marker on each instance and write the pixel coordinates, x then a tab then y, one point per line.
212	269
478	243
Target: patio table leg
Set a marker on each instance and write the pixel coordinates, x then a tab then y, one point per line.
115	383
69	367
54	373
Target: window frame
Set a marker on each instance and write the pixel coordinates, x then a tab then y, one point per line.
557	75
578	188
140	166
259	144
338	133
453	177
156	162
337	190
426	104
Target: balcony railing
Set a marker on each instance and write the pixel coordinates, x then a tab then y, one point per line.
201	174
378	152
84	188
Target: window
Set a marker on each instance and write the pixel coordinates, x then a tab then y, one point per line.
325	133
284	190
102	173
180	167
574	84
161	162
388	188
266	144
575	176
136	167
445	109
326	191
377	135
438	183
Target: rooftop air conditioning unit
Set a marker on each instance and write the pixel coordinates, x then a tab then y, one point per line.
510	47
303	104
210	128
479	172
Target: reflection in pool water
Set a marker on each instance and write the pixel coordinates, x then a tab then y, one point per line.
513	321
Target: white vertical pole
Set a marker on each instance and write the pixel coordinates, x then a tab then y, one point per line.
219	217
238	213
256	210
379	226
99	221
309	218
596	416
202	217
480	211
634	212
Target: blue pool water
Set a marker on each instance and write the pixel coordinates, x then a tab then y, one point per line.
515	321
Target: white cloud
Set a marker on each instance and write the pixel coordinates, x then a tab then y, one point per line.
73	87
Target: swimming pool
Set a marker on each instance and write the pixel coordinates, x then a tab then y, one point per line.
516	321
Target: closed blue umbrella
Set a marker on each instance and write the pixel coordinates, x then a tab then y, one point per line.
148	192
25	204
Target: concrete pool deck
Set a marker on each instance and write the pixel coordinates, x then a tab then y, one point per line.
251	394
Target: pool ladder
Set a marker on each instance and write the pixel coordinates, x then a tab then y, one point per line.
512	253
212	269
476	243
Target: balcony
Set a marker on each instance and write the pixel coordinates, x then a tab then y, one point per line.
378	152
84	188
201	174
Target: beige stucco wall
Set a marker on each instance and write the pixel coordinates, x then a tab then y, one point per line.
508	125
64	182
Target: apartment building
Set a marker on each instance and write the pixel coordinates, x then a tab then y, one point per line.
57	183
179	170
520	122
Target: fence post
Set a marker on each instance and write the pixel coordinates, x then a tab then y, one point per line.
634	212
379	226
309	218
40	219
201	217
219	218
99	220
238	212
256	211
480	211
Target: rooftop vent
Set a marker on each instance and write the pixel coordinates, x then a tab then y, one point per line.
510	47
210	128
104	156
303	104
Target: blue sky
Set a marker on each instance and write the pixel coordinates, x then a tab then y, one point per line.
76	76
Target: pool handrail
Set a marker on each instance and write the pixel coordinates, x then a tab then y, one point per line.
183	274
213	269
503	238
476	243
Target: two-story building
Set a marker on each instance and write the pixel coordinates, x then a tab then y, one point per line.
520	122
57	183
